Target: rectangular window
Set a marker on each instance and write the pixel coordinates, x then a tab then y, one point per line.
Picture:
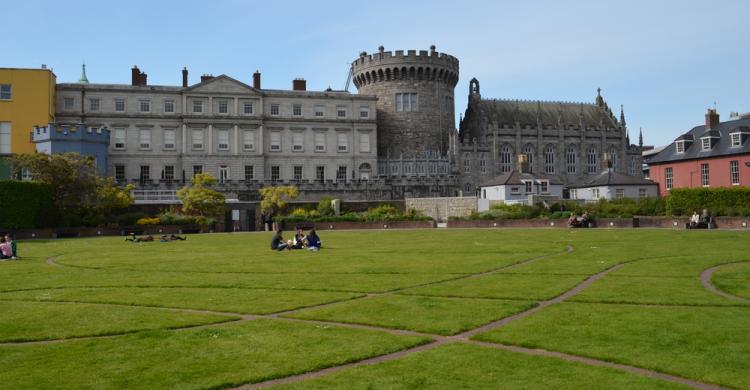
529	187
223	136
544	186
119	173
197	140
275	169
68	103
275	109
364	142
297	141
275	142
320	173
467	165
642	193
6	92
169	106
341	111
706	143
734	172
197	169
144	139
197	106
145	173
145	105
169	139
483	166
320	110
223	107
705	181
247	108
248	143
515	190
119	138
223	174
343	142
595	193
364	112
341	173
119	105
297	172
574	194
93	104
619	193
249	173
680	146
668	178
297	110
736	139
169	173
406	102
320	142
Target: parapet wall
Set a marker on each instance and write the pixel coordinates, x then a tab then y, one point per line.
422	65
440	209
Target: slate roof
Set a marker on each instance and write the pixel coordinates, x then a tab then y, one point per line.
612	178
515	177
550	113
721	148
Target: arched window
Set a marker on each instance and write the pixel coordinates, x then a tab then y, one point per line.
613	157
633	171
592	161
549	160
528	150
506	158
570	159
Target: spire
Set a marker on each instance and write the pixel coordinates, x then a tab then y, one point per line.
83	79
622	115
640	138
599	98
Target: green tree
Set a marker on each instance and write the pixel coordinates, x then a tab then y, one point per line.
274	199
201	200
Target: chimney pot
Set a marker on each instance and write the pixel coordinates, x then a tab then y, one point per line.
184	77
299	84
256	80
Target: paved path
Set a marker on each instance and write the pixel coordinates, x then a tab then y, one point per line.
706	281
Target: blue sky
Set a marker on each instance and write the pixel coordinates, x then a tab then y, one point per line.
665	61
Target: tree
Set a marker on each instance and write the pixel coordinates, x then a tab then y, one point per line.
199	199
273	199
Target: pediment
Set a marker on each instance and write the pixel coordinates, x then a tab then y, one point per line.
223	84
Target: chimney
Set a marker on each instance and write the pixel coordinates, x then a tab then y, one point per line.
206	77
256	79
142	79
184	77
523	163
299	84
712	119
138	78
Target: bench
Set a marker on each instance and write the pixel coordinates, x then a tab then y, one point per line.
190	229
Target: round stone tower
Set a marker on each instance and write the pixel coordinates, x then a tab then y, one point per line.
415	109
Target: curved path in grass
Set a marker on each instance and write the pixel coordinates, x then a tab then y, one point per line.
709	273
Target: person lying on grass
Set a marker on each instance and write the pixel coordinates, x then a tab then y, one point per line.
133	238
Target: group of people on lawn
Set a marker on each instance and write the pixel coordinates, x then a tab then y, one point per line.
579	221
8	248
311	241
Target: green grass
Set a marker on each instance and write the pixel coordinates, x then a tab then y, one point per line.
734	279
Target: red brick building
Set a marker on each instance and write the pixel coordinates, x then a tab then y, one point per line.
716	154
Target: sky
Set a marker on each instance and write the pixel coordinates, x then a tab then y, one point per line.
666	61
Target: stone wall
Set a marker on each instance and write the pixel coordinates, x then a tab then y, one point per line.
440	209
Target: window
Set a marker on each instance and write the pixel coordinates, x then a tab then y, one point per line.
343	142
248	143
668	178
145	173
484	193
119	173
275	169
68	103
169	173
94	104
169	106
734	172
483	166
297	110
298	141
633	170
528	150
467	188
223	174
595	193
320	142
6	92
528	186
249	173
297	172
275	109
515	190
619	193
592	161
544	186
364	112
197	169
169	139
549	160
736	139
705	175
119	105
320	110
223	136
144	139
145	105
680	146
706	143
613	158
467	165
364	142
642	193
223	107
506	158
341	111
275	141
197	140
570	159
406	102
320	173
119	138
247	108
341	173
197	106
573	193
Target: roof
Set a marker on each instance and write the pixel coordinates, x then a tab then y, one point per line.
721	148
550	113
612	178
515	177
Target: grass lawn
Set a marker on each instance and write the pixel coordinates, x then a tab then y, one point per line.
144	297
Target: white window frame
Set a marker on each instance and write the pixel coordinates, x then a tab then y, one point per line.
222	136
94	104
6	91
169	139
274	139
275	173
595	193
249	172
407	102
223	174
736	139
364	112
120	139
301	172
706	143
544	186
668	177
339	110
528	186
197	106
298	141
223	107
705	175
680	147
734	172
144	139
296	109
247	108
339	175
573	193
320	142
6	137
342	142
364	143
168	173
144	103
515	190
320	110
275	109
619	193
197	139
168	104
248	141
120	102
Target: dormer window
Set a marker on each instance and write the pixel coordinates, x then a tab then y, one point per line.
705	143
680	145
736	139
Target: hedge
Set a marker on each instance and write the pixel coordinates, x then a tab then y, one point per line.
24	204
719	201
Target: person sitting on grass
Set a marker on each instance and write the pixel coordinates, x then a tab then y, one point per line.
6	252
277	242
133	238
12	246
299	240
313	241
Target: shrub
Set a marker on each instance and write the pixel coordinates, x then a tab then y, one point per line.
718	201
324	206
148	221
24	204
126	219
171	217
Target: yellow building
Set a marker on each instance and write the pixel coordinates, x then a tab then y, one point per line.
27	98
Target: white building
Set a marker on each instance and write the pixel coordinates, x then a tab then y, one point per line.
613	185
516	187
